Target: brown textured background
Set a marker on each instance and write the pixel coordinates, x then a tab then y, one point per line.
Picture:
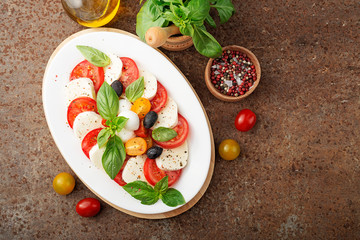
298	173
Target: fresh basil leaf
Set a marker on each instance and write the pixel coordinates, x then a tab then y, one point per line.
142	191
103	137
174	1
185	10
172	198
171	17
114	156
205	43
162	185
107	102
187	29
225	9
148	17
120	122
199	9
94	56
135	90
163	134
210	21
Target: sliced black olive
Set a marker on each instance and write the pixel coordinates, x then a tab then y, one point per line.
118	87
150	119
154	152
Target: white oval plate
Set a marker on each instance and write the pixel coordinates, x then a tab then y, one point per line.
60	65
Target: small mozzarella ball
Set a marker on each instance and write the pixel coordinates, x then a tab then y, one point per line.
124	105
133	121
125	135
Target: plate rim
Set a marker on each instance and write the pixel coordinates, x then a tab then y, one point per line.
206	184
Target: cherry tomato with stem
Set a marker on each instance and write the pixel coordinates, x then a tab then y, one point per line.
245	120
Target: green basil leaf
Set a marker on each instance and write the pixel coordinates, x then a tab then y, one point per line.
225	9
162	185
114	156
174	1
135	90
199	9
94	56
120	122
107	102
205	43
103	137
172	198
187	29
148	17
163	134
142	191
210	21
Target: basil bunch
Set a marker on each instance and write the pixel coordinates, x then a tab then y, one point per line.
147	195
108	107
189	16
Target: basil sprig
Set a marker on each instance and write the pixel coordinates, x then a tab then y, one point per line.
135	90
108	107
163	134
94	56
147	195
189	16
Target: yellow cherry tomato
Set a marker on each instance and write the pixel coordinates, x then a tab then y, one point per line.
64	183
229	149
141	107
135	146
149	142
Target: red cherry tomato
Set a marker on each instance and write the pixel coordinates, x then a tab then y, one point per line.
160	99
245	120
142	131
118	178
86	69
88	207
79	105
153	174
130	71
89	141
182	129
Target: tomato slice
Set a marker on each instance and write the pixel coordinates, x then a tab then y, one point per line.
79	105
135	146
118	178
182	129
160	99
89	141
86	69
142	131
130	71
153	174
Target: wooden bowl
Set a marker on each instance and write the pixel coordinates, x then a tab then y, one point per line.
178	43
224	97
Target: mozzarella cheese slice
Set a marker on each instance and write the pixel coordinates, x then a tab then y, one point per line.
125	134
168	116
134	169
124	105
133	121
113	71
173	159
150	85
81	87
85	122
95	155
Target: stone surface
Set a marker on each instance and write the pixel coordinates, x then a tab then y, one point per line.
298	173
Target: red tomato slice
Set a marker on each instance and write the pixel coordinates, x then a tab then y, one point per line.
153	174
130	71
79	105
89	141
86	69
118	178
182	129
142	131
160	99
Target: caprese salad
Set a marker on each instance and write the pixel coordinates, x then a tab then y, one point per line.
128	125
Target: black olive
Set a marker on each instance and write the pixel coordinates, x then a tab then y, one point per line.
150	119
154	152
118	87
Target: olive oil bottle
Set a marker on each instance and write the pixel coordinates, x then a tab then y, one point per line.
91	13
